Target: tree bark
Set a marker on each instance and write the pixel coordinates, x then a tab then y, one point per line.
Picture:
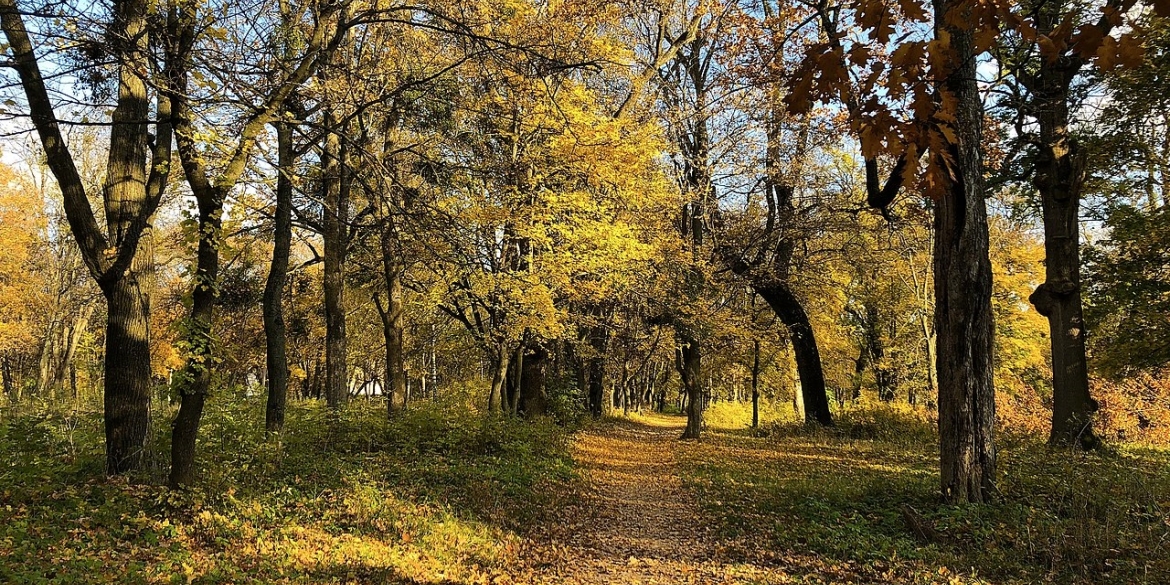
335	203
276	344
962	284
690	369
533	395
804	347
392	317
127	380
196	381
755	383
501	361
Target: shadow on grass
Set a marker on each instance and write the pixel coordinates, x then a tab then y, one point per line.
1061	517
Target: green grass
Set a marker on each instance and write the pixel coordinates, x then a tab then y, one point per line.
436	494
837	495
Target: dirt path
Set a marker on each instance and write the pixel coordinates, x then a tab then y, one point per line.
637	523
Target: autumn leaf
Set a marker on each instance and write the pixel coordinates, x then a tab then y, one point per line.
1130	52
948	133
1107	54
799	98
913	10
1048	48
859	55
908	55
1087	39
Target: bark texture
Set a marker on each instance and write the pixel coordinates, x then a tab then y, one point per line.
804	346
276	343
1059	178
392	315
962	285
334	197
690	369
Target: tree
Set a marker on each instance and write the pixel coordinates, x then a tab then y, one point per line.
211	186
1046	95
136	175
276	343
935	82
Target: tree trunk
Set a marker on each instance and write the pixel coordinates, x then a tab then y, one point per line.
690	369
1059	178
599	343
513	382
962	285
501	361
70	340
274	330
755	383
804	346
127	380
130	196
335	215
10	388
597	387
196	376
533	396
392	318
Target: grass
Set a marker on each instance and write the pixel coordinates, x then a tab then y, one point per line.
436	495
837	495
445	495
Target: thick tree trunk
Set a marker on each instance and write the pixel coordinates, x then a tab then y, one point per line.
1060	175
962	285
804	346
276	344
334	266
755	383
533	396
513	382
500	363
1059	299
127	380
595	366
596	386
690	369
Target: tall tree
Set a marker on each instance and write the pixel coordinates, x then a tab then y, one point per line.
1046	93
276	343
211	187
136	176
940	114
962	269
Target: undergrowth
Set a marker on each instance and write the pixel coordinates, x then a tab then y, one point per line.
434	494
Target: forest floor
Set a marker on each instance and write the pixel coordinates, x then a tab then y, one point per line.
789	504
443	495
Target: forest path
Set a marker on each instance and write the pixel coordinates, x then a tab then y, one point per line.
636	522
